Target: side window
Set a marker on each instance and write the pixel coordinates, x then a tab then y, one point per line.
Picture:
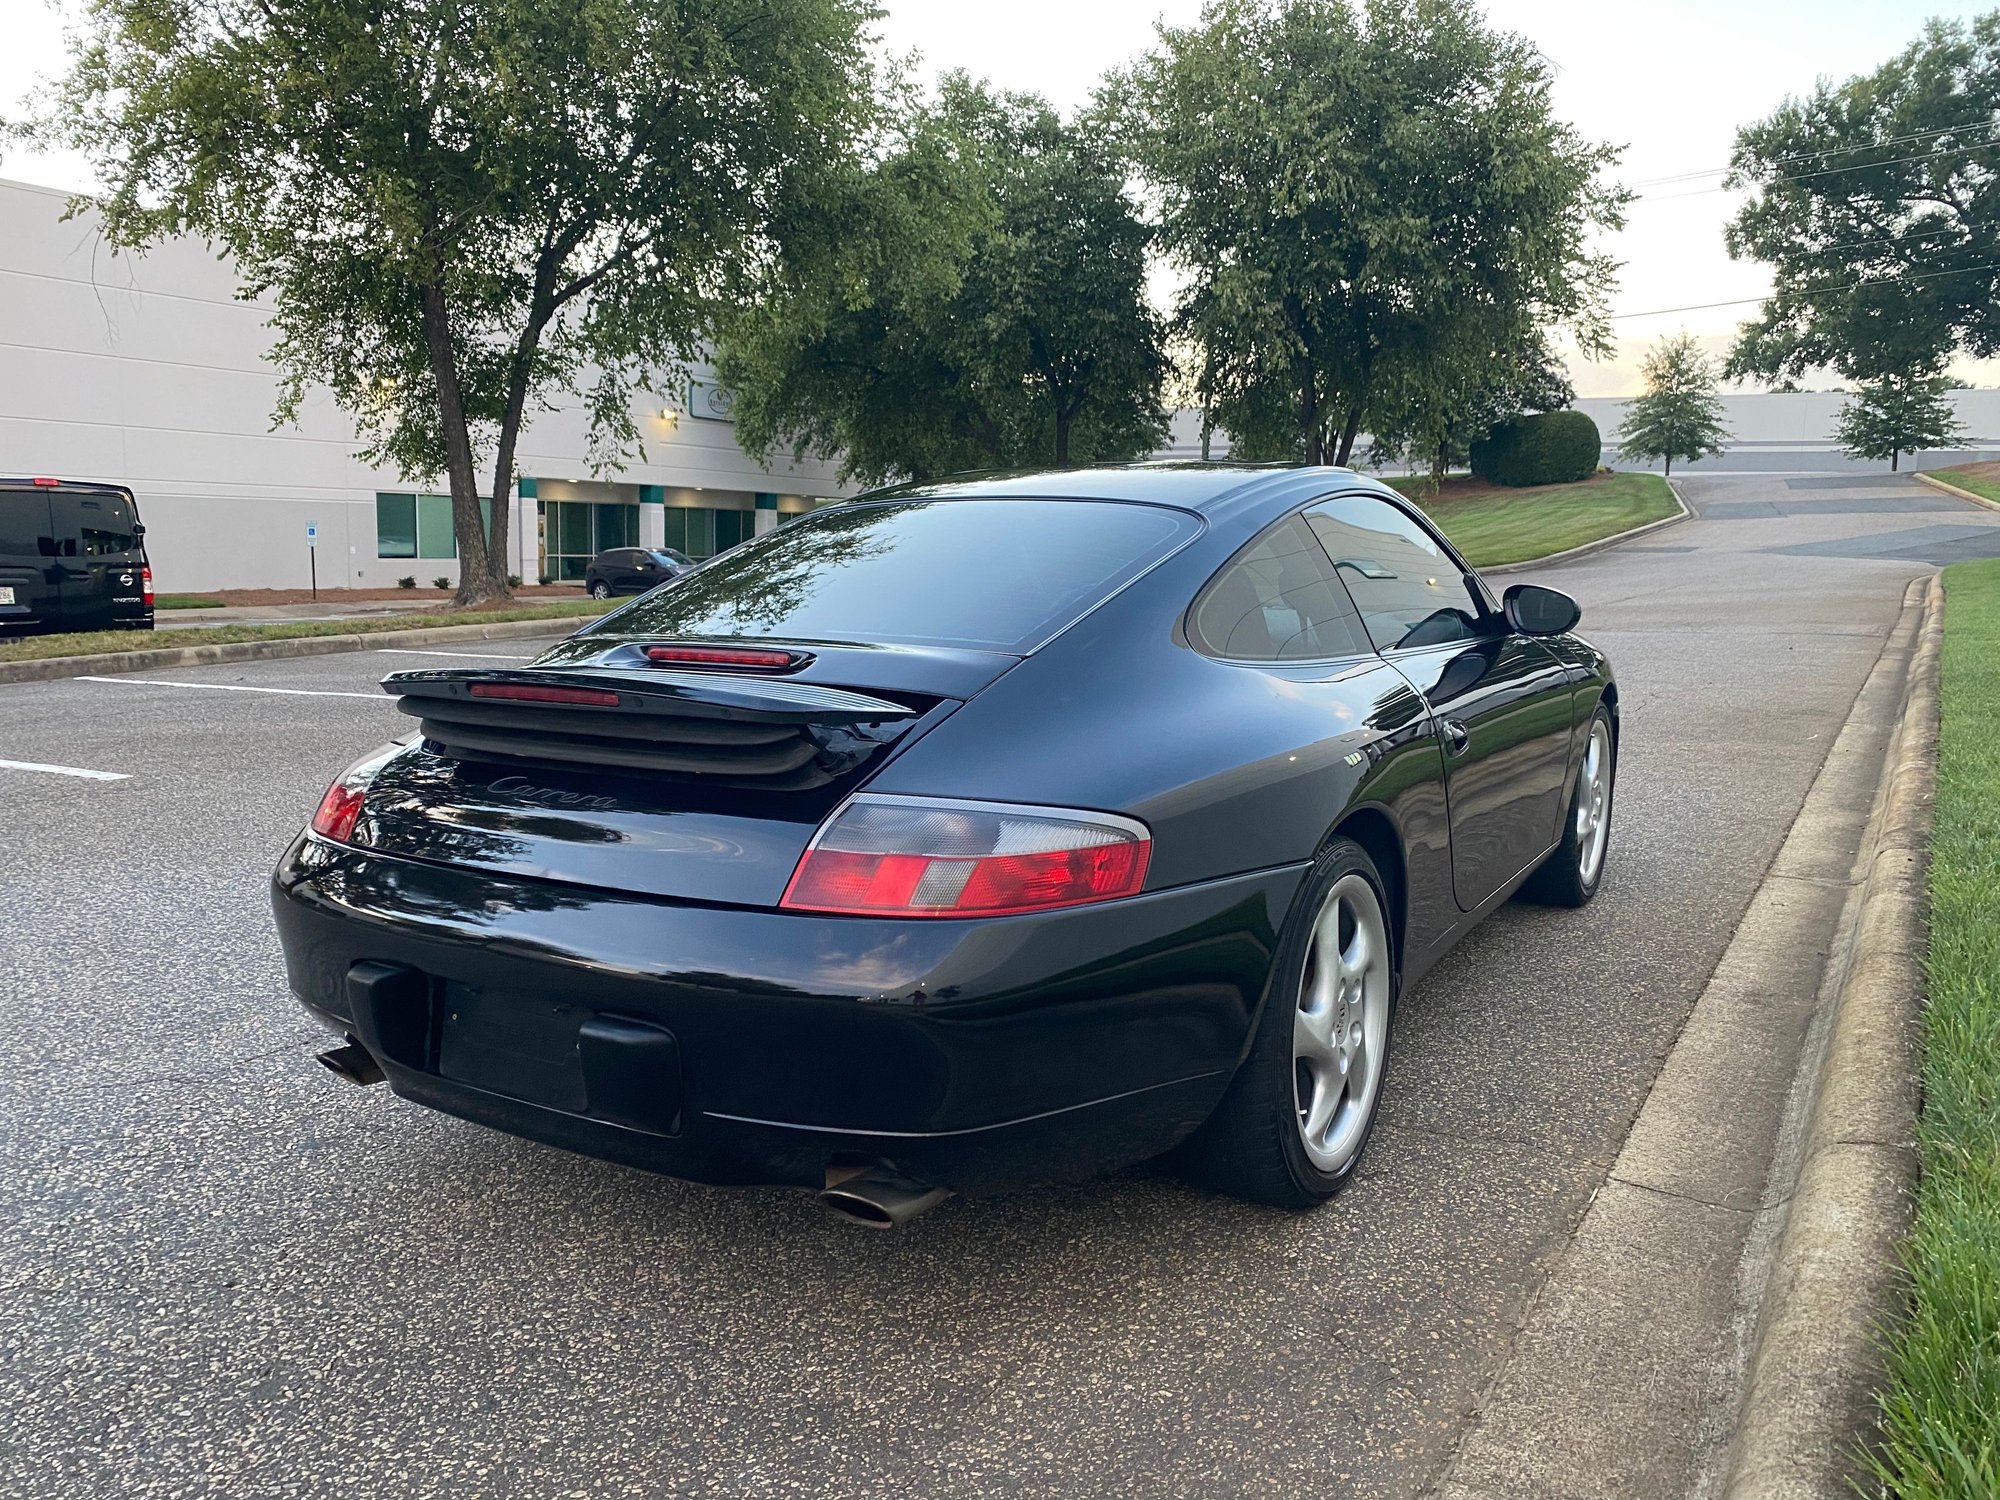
1277	600
1408	589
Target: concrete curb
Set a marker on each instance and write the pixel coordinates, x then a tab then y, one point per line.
109	663
1952	489
1603	543
1836	1282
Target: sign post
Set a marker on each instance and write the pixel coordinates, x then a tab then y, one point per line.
312	553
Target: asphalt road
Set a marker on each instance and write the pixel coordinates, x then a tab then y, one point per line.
224	1272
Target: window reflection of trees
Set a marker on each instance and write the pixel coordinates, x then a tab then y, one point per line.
753	587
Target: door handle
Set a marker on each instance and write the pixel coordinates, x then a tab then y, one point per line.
1456	736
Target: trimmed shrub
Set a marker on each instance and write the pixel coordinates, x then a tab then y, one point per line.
441	583
1557	447
407	583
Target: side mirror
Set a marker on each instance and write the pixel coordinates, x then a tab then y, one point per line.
1534	610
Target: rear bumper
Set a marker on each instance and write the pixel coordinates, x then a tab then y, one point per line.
975	1055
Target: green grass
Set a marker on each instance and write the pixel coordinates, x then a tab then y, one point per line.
1986	489
43	647
1495	526
1941	1414
186	601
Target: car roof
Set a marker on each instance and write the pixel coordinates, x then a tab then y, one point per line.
73	486
1203	487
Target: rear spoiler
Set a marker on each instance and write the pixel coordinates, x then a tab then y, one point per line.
692	695
771	732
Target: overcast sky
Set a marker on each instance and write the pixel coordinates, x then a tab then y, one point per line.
1670	80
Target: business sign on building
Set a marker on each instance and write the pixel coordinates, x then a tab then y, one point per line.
711	402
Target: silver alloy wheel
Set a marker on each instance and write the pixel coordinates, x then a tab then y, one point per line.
1340	1036
1593	803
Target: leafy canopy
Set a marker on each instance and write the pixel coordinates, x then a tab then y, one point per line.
462	209
1878	207
983	305
1679	415
1366	201
1898	414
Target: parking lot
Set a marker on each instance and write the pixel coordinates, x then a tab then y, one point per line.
227	1272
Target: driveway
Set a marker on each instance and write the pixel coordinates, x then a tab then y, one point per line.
222	1271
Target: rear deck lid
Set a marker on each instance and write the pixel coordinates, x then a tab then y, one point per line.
843	637
705	786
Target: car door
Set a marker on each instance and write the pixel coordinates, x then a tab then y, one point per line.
1500	701
1278	606
30	575
627	576
646	571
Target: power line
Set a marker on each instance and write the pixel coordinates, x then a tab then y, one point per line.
1860	166
1847	286
1889	140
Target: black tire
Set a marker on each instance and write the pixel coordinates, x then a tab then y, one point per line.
1254	1146
1566	878
600	590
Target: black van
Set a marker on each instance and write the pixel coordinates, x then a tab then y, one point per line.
72	557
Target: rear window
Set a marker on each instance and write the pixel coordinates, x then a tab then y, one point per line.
103	523
986	575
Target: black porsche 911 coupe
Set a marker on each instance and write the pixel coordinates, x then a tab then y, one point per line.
965	836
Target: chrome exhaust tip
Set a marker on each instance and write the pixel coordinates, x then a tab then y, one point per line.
353	1062
877	1197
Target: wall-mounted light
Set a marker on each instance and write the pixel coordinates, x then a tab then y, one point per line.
670	416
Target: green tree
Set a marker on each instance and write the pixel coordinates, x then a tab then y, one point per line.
987	310
1680	414
1876	205
1897	414
462	208
1347	185
1434	404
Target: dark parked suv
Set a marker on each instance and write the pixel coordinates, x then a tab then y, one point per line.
72	557
632	570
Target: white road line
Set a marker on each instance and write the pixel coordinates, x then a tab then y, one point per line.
30	765
476	655
230	687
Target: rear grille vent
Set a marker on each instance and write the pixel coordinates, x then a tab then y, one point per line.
781	735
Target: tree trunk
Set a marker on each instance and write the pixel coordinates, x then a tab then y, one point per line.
1894	454
474	569
1309	418
503	468
1670	465
1063	420
1349	431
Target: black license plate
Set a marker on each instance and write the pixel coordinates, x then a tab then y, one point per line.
522	1046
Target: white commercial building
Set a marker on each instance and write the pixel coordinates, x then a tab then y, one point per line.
147	371
1772	432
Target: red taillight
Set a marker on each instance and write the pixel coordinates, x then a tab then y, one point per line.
47	484
337	811
760	659
522	692
340	808
922	857
146	583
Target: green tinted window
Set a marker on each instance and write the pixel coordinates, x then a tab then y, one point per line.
395	525
434	527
